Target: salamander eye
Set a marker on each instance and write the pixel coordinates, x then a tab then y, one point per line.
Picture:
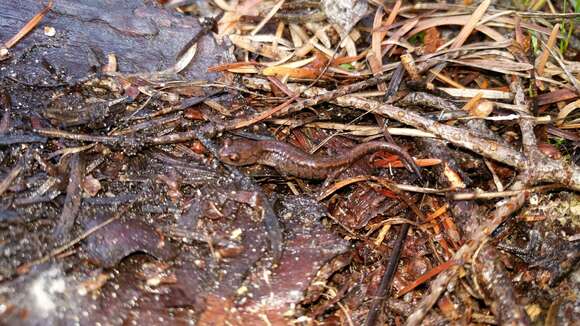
234	157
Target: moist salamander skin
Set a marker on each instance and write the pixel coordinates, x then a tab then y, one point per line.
289	160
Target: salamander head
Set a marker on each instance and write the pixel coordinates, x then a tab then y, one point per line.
239	152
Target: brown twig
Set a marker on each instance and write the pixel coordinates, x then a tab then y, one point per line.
547	170
494	282
72	202
384	287
439	285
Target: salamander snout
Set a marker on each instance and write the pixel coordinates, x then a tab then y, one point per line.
238	152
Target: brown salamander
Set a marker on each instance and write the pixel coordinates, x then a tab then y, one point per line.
289	160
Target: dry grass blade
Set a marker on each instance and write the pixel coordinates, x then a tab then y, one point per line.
398	34
565	111
265	115
352	129
502	66
268	17
425	277
471	92
375	56
468	28
465	31
446	79
571	78
541	64
406	131
456	20
268	51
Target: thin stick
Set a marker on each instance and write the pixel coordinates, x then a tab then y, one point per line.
26	267
385	286
499	194
14	172
29	26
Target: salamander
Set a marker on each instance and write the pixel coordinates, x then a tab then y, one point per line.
289	160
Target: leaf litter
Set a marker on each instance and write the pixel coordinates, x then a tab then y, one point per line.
117	205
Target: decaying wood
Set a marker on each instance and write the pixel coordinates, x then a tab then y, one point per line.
113	117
